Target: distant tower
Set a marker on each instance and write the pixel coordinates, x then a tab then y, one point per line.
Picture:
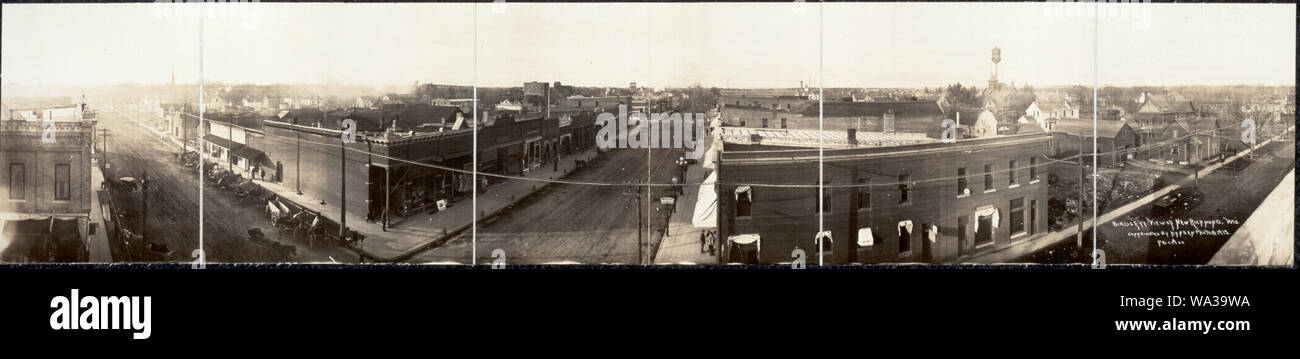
993	79
171	89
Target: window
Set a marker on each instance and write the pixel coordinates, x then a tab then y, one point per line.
17	181
984	228
742	123
827	248
764	122
961	181
1033	216
961	233
904	236
826	197
864	193
903	188
783	122
1011	172
787	106
1017	216
62	185
988	178
744	200
1033	169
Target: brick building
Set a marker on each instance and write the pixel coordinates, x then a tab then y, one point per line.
385	161
918	200
45	211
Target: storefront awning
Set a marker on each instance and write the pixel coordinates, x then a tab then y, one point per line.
706	204
711	157
253	155
218	141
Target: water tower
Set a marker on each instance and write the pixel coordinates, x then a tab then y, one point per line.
993	79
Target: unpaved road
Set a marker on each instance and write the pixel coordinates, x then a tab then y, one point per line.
575	222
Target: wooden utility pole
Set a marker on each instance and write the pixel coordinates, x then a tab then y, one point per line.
230	152
103	135
1082	177
297	167
639	255
144	210
343	186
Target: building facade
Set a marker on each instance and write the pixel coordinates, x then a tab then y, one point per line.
44	214
927	202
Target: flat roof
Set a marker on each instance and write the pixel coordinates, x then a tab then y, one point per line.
816	138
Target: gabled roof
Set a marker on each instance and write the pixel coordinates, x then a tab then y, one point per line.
1084	127
968	115
1051	101
1169	105
1199	126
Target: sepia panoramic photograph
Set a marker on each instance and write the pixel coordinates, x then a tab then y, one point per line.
640	134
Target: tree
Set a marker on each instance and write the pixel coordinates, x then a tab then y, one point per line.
957	95
1081	97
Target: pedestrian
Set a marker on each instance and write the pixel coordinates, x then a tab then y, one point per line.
704	240
713	241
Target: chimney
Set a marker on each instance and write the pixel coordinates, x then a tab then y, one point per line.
853	136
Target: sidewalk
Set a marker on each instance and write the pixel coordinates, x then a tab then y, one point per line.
682	243
100	250
1154	166
421	231
1024	248
411	235
1265	238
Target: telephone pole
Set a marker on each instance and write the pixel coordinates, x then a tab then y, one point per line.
639	232
144	207
297	167
1082	178
103	135
343	184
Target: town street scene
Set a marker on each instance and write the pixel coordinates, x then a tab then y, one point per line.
642	134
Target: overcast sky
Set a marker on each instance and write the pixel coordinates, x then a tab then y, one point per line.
724	45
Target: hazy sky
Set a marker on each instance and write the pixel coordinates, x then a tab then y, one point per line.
737	45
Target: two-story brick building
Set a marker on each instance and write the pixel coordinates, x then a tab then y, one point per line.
886	197
46	201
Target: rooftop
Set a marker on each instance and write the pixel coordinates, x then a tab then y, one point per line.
814	138
876	109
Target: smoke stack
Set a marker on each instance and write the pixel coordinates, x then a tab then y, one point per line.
853	136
